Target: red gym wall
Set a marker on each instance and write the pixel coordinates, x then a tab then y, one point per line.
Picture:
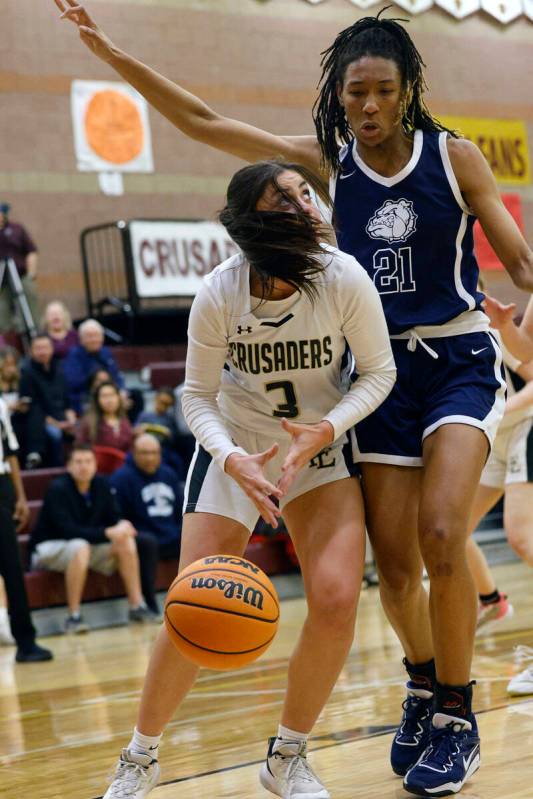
254	60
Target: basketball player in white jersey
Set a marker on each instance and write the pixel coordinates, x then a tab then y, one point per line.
269	398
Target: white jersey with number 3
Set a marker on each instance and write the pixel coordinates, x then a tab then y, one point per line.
251	363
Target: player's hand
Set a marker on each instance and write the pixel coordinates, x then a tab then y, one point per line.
21	514
307	441
499	314
90	34
247	471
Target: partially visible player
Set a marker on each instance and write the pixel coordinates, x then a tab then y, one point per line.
266	396
519	338
509	473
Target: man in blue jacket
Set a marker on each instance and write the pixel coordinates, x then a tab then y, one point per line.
88	357
151	498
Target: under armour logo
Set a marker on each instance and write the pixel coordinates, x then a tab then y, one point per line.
241	330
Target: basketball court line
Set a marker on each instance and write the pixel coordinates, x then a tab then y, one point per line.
338	738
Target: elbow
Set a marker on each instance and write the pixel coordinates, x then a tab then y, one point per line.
522	273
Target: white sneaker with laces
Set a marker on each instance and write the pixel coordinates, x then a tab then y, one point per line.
287	773
135	776
522	684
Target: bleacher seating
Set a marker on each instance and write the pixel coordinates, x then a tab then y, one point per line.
47	589
165	373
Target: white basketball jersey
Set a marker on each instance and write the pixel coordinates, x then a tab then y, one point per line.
289	358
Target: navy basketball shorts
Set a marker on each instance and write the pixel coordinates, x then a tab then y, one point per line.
465	384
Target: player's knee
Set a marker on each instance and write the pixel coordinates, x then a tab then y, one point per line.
399	582
441	537
334	605
518	541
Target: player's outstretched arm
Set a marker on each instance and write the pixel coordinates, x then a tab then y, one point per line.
480	192
188	113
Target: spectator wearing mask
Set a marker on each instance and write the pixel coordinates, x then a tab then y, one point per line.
16	243
57	322
161	423
49	417
106	424
14	514
80	528
89	356
151	498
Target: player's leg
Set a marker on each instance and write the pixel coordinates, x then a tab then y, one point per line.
391	503
454	456
170	676
518	519
327	527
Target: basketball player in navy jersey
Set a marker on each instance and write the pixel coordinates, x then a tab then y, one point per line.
406	193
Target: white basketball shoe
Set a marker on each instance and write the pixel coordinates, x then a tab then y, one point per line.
522	684
287	773
135	776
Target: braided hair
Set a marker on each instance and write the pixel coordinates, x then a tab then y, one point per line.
382	38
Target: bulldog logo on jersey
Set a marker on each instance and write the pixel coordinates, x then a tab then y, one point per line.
394	221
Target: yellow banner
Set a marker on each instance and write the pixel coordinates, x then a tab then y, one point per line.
503	142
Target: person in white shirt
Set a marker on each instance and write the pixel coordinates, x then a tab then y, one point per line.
270	395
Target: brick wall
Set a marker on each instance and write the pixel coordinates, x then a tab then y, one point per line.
251	60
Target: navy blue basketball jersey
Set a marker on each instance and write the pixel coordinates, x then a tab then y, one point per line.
411	232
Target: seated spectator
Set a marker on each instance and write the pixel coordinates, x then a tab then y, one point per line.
151	498
105	423
161	423
49	418
186	440
80	528
89	356
57	322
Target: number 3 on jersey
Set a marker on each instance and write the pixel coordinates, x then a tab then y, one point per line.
394	271
288	409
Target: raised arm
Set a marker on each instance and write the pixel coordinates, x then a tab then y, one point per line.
188	113
479	189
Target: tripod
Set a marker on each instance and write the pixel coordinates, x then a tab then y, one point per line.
8	268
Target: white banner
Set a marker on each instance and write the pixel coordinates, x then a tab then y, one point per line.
111	127
171	258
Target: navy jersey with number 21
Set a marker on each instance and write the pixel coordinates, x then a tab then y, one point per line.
411	232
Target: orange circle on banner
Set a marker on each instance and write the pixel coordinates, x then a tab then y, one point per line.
113	127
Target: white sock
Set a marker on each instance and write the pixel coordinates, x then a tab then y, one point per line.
3	615
144	744
291	735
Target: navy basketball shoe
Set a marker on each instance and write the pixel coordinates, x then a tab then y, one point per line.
412	736
450	759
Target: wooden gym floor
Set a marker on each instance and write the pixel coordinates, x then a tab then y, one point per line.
62	724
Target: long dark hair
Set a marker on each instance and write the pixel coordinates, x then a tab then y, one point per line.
275	244
95	415
369	36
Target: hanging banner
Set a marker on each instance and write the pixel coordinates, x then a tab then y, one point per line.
171	258
486	257
111	127
503	142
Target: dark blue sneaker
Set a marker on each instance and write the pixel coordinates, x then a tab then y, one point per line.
449	761
412	736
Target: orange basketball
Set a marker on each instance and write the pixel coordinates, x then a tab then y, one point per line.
222	612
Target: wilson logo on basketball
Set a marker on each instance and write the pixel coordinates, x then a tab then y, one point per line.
233	562
231	590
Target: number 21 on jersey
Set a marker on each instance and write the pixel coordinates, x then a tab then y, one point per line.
394	270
